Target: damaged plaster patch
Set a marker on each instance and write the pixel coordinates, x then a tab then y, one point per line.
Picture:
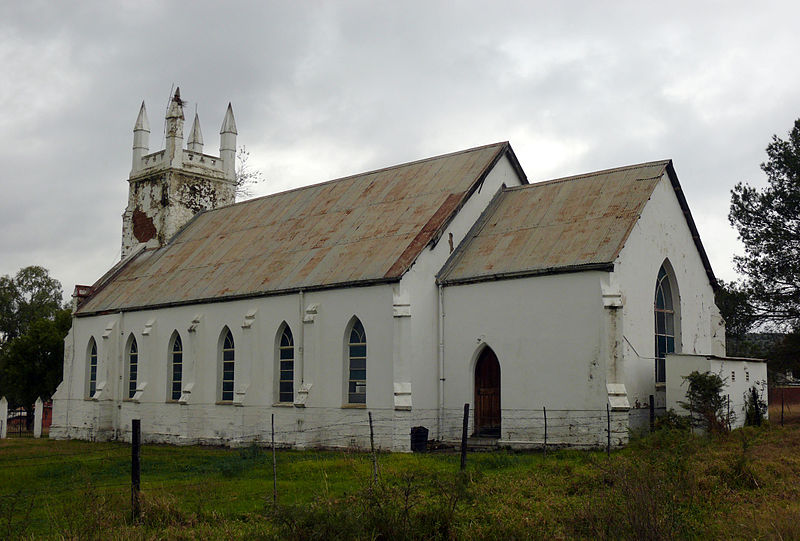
143	227
197	196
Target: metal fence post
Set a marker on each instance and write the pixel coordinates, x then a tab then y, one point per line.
652	413
372	448
544	412
136	438
274	466
464	437
608	419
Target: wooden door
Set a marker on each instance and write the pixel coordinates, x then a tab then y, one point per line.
487	395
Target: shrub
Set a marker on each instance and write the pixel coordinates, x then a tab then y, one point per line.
755	409
705	402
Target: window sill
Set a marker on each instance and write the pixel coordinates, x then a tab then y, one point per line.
661	386
354	406
224	402
283	405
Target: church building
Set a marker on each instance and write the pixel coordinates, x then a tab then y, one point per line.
402	293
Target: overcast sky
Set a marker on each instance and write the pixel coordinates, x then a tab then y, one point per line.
326	89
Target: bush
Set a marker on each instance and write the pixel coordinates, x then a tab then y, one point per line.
755	409
705	402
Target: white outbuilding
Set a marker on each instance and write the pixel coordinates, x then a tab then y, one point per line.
404	292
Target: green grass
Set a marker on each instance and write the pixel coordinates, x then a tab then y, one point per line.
668	485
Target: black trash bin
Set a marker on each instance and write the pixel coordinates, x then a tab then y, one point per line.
419	439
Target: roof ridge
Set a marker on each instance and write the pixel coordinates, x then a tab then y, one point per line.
370	172
590	174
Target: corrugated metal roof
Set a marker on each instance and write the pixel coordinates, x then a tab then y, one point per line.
570	223
355	230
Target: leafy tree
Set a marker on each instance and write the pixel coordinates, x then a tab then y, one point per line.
31	364
734	305
30	295
768	222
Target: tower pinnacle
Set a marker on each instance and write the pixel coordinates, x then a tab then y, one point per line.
175	129
227	143
141	137
195	142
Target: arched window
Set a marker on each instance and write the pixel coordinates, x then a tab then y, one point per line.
133	366
227	364
176	367
92	366
357	365
664	324
286	366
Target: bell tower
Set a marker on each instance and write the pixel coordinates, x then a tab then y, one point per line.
168	187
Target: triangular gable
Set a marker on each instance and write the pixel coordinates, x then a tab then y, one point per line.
563	225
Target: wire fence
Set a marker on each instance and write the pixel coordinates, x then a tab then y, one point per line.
362	433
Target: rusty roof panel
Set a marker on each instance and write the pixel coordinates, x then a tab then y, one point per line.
572	222
358	229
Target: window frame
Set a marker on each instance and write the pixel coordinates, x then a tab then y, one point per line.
174	340
284	355
353	352
227	367
665	322
92	366
131	367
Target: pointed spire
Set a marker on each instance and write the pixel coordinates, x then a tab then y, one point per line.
174	146
227	144
196	136
176	105
141	139
142	124
228	123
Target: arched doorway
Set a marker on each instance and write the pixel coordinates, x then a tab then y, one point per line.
487	395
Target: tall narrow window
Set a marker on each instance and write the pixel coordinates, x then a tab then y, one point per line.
357	357
176	368
133	367
92	367
664	324
227	368
286	367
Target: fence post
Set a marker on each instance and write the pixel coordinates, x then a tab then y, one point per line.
608	420
652	413
372	448
464	437
274	466
38	417
136	438
728	416
544	412
4	417
782	389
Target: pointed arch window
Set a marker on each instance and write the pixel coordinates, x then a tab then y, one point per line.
133	366
357	365
92	358
664	324
227	357
176	367
286	367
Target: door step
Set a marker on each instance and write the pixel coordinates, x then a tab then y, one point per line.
476	443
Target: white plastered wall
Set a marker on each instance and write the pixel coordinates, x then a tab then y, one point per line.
660	234
549	335
419	287
319	420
